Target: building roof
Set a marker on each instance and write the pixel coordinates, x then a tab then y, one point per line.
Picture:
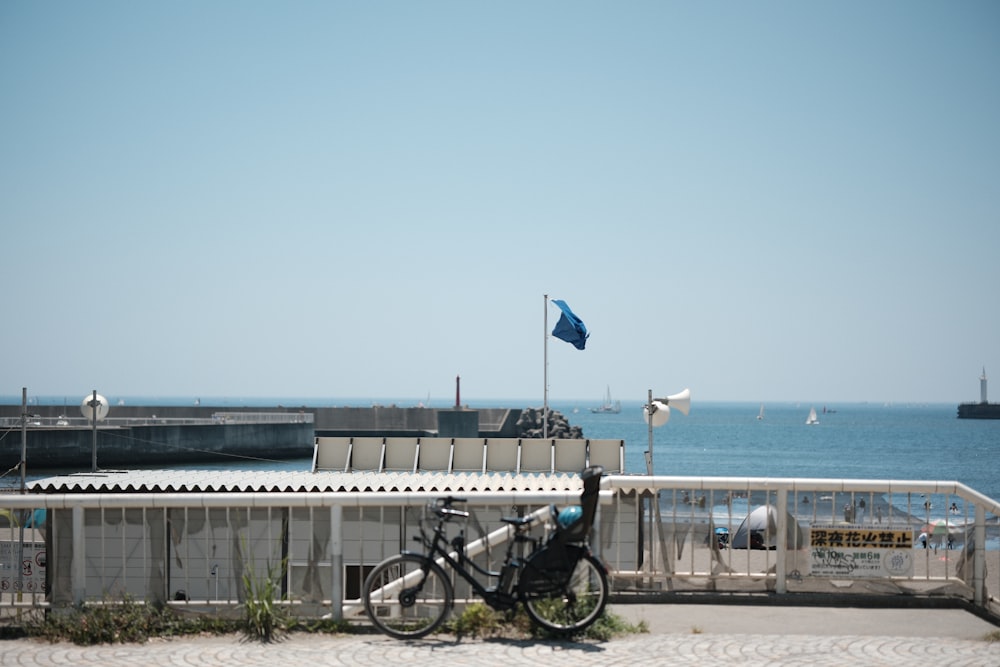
245	481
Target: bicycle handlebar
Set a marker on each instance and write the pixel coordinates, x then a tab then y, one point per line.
444	509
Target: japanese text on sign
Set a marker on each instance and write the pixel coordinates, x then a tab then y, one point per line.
858	551
856	537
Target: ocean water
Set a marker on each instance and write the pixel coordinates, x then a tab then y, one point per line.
851	441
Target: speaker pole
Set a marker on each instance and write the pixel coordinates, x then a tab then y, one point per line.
665	555
649	454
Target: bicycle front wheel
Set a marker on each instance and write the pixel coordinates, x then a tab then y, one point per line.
407	596
566	606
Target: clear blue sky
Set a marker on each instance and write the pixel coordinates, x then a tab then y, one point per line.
759	201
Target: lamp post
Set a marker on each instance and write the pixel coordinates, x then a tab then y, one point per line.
94	403
94	408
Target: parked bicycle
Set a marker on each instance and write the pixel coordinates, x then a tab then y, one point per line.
561	584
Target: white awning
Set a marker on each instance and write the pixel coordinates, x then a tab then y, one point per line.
245	481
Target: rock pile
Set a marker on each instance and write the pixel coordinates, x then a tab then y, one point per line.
531	423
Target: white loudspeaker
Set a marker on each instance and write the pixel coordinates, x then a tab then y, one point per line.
679	401
87	407
661	413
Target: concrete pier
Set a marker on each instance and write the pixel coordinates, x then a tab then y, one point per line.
71	447
163	435
360	421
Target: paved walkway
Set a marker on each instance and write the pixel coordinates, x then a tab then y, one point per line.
679	635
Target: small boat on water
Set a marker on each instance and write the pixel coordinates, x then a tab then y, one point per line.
812	418
760	415
609	406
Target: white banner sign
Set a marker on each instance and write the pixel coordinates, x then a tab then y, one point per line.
860	551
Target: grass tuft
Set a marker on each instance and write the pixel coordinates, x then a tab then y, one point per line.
479	621
264	617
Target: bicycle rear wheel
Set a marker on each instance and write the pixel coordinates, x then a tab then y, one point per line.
564	605
407	596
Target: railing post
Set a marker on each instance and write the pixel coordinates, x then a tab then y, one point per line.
337	561
78	573
781	585
979	558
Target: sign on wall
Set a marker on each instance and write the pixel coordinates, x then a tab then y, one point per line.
860	551
31	578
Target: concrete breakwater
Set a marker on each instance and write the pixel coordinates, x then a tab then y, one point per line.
360	421
161	444
165	435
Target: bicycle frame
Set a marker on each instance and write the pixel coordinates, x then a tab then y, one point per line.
439	549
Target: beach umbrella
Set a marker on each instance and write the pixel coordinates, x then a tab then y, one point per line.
941	527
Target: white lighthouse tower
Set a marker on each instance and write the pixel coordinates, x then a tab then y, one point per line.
982	387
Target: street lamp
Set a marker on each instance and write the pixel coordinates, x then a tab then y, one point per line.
94	408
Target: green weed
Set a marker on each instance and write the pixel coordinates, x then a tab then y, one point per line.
264	617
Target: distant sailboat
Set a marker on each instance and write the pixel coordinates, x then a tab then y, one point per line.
609	406
812	418
760	415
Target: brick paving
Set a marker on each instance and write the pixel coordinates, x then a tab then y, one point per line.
365	650
789	637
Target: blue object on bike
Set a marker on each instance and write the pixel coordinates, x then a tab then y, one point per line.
569	515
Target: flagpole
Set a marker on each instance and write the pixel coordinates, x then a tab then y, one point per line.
545	368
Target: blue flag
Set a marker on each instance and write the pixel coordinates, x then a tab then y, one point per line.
570	328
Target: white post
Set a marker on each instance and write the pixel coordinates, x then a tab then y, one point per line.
78	569
979	558
781	562
337	561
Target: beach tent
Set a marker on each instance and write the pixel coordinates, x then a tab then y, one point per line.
759	530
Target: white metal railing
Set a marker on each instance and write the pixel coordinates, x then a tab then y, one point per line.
688	554
658	535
